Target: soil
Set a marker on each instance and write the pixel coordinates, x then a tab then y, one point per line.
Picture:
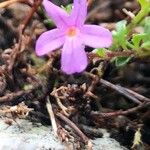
103	96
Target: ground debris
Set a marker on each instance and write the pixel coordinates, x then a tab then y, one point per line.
18	111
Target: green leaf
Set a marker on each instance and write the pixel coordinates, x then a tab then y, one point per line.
144	3
136	40
49	22
67	8
147	26
145	9
120	35
101	52
146	45
122	61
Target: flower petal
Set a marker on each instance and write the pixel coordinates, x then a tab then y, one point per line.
79	12
57	14
74	58
49	41
96	36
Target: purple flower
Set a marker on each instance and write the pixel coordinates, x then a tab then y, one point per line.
73	35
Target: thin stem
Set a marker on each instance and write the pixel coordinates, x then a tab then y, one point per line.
52	117
120	112
73	126
120	90
138	18
9	2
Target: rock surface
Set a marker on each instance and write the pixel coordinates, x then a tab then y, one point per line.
107	144
28	136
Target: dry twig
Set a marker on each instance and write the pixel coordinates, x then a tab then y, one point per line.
74	127
137	95
63	108
117	113
20	110
22	27
52	117
9	2
120	90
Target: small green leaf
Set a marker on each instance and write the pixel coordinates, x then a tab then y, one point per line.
136	39
122	61
67	8
144	3
147	26
146	45
49	22
101	52
145	9
120	35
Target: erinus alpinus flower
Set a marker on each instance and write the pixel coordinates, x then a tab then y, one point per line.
73	35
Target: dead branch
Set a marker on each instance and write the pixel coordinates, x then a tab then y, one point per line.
52	117
120	90
74	127
22	27
117	113
9	2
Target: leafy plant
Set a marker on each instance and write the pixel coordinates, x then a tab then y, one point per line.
124	38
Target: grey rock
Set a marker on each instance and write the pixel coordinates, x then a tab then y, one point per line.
25	135
107	143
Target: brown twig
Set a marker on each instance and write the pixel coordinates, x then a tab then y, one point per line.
14	54
116	113
22	27
90	89
34	8
110	55
90	2
120	90
11	96
20	110
23	95
73	126
58	99
9	2
137	95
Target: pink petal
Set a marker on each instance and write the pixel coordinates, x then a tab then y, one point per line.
74	58
57	14
79	12
96	36
49	41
